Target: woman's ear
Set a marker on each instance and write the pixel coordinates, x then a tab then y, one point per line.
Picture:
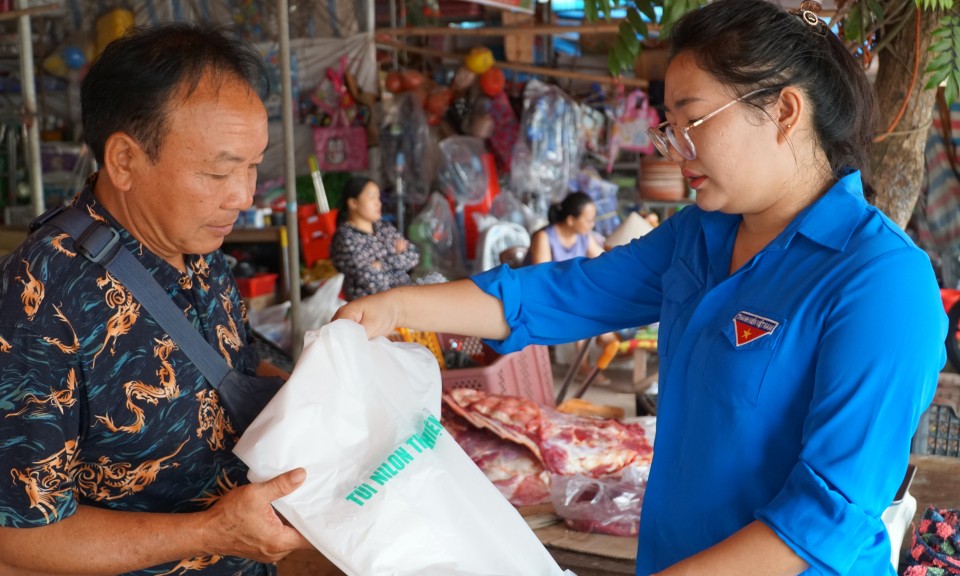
121	157
790	110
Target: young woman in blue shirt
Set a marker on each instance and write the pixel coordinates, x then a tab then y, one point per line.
801	331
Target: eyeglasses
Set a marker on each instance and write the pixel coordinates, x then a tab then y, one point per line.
664	135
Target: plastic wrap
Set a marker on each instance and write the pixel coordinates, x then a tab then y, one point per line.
407	149
435	233
463	174
547	152
605	505
508	208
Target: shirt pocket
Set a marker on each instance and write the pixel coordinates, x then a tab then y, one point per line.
739	354
679	286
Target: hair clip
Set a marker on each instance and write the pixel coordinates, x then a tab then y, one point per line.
809	12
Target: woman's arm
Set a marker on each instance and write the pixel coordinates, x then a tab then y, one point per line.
459	307
754	550
593	248
540	248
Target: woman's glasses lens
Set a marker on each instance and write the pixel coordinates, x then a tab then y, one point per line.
681	143
665	138
659	140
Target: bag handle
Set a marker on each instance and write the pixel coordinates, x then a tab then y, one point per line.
99	243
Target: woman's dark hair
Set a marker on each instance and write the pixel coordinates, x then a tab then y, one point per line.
131	86
352	189
572	205
753	44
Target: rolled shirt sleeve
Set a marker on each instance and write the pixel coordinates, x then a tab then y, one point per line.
557	302
856	438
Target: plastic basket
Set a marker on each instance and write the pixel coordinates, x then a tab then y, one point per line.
426	339
938	433
526	373
257	285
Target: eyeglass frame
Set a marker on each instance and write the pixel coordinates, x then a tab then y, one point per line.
660	137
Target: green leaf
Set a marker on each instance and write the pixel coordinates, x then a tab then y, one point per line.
853	24
605	8
620	51
629	37
637	22
940	61
952	89
590	10
612	63
646	8
941	44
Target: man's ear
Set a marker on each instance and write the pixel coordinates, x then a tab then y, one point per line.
122	155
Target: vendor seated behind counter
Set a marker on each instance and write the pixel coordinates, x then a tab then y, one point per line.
801	330
371	253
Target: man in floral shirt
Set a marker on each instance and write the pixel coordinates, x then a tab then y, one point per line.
115	452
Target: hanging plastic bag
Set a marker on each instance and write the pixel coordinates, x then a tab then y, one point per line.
629	129
606	505
341	147
550	132
407	150
434	230
462	172
388	490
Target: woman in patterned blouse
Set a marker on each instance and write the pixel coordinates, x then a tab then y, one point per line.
370	253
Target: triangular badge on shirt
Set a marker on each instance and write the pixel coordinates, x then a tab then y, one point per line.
749	327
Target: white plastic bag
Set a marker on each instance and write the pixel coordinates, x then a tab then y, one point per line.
388	491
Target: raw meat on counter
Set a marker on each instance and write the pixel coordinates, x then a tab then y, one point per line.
593	470
513	469
566	444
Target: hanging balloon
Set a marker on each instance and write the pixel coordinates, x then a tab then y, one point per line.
73	57
394	83
479	59
411	79
492	82
462	169
438	101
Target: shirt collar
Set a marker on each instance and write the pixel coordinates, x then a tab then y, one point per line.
165	274
831	220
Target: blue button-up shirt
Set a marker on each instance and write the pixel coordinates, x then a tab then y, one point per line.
789	390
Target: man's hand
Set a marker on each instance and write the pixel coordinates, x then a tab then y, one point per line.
243	523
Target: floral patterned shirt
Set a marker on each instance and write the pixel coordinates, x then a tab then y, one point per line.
370	263
98	406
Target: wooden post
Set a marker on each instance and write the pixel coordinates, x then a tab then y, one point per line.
518	47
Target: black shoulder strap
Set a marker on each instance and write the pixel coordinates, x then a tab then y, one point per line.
100	243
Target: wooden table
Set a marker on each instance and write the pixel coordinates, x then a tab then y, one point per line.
937	483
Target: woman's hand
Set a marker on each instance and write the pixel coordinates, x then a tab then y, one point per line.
379	314
401	245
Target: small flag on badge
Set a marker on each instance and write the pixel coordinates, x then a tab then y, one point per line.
749	327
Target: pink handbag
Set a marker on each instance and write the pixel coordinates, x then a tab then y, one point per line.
339	147
629	130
